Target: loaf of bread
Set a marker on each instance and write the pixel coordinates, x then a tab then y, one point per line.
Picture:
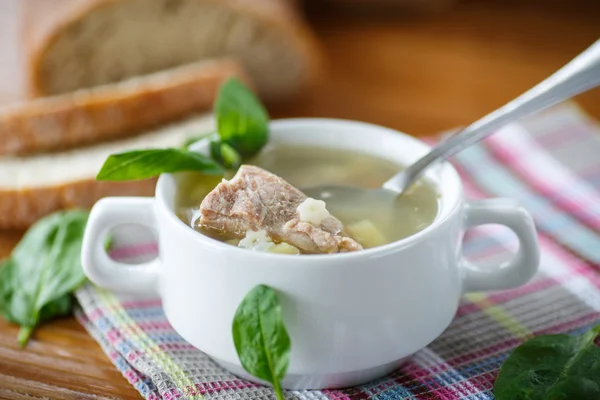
34	186
102	41
112	110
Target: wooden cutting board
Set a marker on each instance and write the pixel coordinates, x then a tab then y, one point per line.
420	76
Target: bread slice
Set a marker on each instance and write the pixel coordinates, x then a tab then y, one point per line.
113	110
32	187
105	41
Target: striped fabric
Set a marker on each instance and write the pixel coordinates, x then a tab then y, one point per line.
551	163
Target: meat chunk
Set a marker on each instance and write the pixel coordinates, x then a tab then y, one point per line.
255	199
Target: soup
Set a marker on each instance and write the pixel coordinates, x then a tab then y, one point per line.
310	166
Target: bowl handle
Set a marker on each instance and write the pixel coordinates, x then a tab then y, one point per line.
522	266
98	266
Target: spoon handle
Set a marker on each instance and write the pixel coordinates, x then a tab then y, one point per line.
578	76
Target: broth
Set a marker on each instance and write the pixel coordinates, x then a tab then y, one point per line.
310	166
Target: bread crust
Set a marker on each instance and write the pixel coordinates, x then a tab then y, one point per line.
114	110
52	182
19	209
280	14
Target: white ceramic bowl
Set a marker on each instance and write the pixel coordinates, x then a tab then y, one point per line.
352	317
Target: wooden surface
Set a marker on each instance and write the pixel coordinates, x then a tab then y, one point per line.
419	75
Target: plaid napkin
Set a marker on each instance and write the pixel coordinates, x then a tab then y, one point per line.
551	163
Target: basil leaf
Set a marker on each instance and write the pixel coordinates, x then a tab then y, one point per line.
225	154
552	367
144	164
6	288
57	308
191	140
242	125
108	243
43	269
261	340
242	121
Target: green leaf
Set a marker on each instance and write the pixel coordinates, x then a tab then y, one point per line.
243	129
6	288
225	154
192	140
242	121
108	243
261	340
54	309
57	308
44	268
552	367
144	164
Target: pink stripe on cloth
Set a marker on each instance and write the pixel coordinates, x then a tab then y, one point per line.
127	252
155	325
455	386
515	148
336	395
566	326
500	297
218	386
558	137
142	303
95	314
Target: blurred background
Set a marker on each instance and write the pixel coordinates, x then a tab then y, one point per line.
420	66
448	65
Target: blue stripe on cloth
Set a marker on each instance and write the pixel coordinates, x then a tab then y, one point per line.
490	362
495	178
393	393
402	384
447	377
581	330
155	313
487	395
164	337
385	389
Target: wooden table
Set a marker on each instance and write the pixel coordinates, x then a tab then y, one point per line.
417	75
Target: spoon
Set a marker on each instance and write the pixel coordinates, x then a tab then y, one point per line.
578	76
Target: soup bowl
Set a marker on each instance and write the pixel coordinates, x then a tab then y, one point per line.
352	317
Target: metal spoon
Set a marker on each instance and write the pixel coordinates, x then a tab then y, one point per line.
578	76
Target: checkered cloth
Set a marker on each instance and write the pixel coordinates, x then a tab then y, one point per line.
551	163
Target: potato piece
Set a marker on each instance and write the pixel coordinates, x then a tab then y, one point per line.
256	240
365	233
283	248
260	241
